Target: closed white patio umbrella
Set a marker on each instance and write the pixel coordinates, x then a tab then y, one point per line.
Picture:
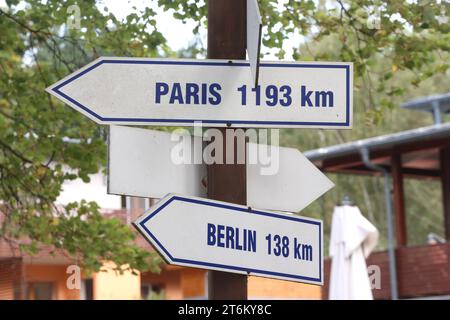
353	238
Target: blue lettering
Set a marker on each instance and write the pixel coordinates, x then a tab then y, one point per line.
251	240
211	234
176	94
324	99
220	235
321	98
306	97
161	89
285	99
204	92
238	245
302	251
230	237
192	90
297	249
214	89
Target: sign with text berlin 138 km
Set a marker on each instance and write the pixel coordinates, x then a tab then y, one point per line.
229	237
141	91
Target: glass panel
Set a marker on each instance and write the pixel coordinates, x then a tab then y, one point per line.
87	290
40	291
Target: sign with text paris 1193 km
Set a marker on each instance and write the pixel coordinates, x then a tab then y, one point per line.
141	91
228	237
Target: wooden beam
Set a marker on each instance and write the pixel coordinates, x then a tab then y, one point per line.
415	173
399	200
445	179
421	173
354	158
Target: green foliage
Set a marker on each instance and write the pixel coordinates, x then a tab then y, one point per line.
412	36
406	57
423	198
156	295
37	153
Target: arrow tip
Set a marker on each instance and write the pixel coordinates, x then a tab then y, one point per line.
48	89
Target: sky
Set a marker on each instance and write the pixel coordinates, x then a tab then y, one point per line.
165	21
179	35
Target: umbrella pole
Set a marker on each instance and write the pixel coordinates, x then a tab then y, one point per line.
388	201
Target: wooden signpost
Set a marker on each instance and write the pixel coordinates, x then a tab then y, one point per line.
223	233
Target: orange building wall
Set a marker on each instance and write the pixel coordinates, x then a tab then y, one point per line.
185	283
110	285
263	288
179	283
170	278
6	287
106	284
55	274
6	280
193	282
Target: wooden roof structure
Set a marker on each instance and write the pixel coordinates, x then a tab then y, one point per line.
422	153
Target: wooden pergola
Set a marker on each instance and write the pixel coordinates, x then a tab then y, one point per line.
422	153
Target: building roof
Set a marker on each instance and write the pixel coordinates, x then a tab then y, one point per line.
419	150
426	103
381	142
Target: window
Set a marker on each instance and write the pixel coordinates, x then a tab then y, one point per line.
136	203
151	291
39	291
135	207
87	289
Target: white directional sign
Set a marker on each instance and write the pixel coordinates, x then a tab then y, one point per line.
143	163
140	164
217	92
228	237
254	27
295	185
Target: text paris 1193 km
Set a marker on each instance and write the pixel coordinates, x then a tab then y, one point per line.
210	94
138	91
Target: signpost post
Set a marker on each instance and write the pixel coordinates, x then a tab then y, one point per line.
235	239
227	182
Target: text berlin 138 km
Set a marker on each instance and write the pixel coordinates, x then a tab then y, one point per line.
245	239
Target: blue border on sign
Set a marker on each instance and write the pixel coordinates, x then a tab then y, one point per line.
234	209
209	63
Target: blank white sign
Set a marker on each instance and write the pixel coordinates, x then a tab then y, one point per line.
140	165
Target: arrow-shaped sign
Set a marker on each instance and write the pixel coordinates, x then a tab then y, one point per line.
294	186
140	91
141	164
223	236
